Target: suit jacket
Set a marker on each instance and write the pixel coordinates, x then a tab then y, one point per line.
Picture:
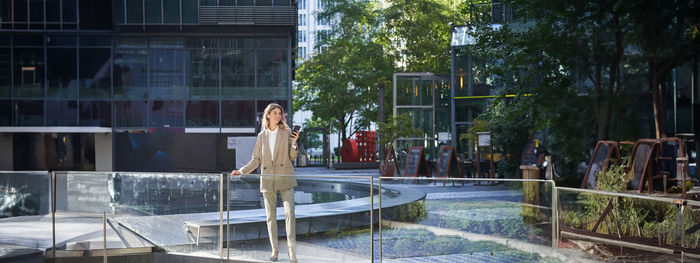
284	154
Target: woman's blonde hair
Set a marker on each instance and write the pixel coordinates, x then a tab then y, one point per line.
266	121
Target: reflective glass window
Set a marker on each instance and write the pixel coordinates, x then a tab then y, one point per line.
189	11
238	73
5	113
5	73
263	103
153	11
130	73
95	113
69	11
61	40
271	42
29	113
422	120
36	11
263	2
5	13
166	73
20	7
61	113
95	73
166	42
203	73
466	110
53	11
130	113
29	40
104	41
282	3
166	112
134	11
245	2
202	113
238	42
171	11
118	11
237	114
28	72
95	15
273	75
131	42
414	90
209	2
62	72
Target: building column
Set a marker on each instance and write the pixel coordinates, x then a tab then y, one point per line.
6	156
103	152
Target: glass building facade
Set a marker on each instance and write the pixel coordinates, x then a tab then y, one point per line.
92	75
426	98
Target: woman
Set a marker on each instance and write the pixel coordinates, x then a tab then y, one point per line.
275	149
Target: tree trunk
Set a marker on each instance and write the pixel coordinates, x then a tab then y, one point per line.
658	90
613	83
598	96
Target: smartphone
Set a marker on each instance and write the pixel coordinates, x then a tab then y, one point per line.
296	129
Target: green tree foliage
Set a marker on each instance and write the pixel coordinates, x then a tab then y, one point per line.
339	84
572	55
419	33
397	127
665	32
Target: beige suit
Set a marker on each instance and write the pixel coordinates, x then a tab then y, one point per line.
270	185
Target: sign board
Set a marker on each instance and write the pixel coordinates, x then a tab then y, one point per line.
444	136
415	163
447	162
483	138
390	163
231	143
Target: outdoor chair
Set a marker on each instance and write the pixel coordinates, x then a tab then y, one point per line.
644	164
600	161
672	163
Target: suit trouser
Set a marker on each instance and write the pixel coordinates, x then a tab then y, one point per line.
271	212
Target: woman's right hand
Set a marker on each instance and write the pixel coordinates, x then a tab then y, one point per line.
235	173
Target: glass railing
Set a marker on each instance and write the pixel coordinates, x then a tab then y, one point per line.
122	213
24	197
629	226
331	212
469	220
340	218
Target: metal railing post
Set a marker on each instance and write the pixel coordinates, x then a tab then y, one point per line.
371	217
228	218
221	216
555	215
104	236
380	220
53	215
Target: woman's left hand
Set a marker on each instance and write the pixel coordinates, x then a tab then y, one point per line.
295	136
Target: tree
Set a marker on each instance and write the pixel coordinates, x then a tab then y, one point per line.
561	46
666	34
337	83
419	33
